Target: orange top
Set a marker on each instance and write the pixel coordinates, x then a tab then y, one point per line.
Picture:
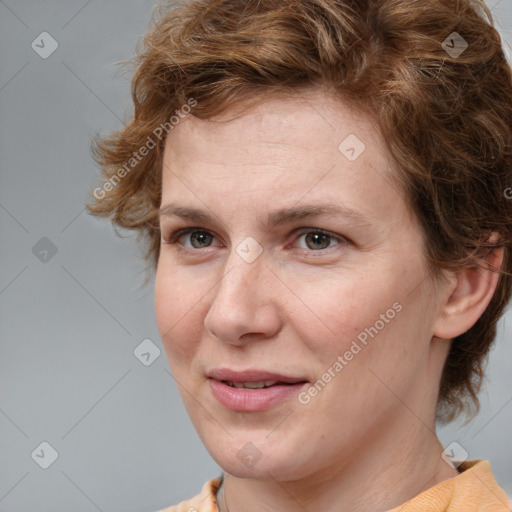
473	490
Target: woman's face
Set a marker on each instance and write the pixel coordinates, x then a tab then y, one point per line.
289	255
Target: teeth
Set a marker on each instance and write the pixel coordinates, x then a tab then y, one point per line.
252	385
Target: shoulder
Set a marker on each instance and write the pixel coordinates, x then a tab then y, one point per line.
479	482
473	490
204	502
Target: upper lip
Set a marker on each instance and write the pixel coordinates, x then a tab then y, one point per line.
250	375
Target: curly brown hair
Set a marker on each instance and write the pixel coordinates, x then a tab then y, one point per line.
431	73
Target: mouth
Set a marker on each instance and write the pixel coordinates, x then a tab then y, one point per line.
255	385
252	390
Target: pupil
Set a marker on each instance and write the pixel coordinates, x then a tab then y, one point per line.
318	238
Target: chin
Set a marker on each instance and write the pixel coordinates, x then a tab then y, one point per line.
254	460
262	470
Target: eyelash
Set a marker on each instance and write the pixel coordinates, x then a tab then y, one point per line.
172	239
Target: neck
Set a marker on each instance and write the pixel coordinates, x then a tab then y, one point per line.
393	468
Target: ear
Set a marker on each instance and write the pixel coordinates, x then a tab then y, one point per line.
468	296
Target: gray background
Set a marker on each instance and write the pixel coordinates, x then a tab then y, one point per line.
70	324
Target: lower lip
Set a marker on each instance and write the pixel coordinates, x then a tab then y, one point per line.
250	400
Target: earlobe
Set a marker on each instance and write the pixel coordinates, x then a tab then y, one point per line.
473	291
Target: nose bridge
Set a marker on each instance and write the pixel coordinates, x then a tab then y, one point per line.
243	270
238	306
238	287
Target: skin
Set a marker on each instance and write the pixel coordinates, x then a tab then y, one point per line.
367	441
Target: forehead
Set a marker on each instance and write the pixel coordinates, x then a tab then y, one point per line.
281	128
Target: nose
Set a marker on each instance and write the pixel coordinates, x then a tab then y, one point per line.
244	306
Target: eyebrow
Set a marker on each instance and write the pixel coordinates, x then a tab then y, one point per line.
275	218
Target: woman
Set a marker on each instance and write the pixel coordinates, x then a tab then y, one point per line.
321	186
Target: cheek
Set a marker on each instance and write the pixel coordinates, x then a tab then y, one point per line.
371	322
335	313
178	316
381	342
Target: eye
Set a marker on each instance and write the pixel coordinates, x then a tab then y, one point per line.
191	238
318	239
310	239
